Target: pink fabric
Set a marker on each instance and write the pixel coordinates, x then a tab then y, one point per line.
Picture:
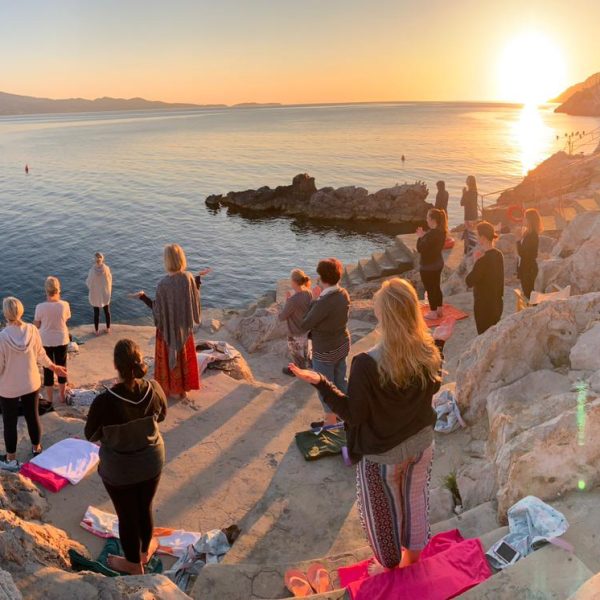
46	478
449	566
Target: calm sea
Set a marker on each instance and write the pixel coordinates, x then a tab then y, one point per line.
128	183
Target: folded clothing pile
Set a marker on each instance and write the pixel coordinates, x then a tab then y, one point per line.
66	462
173	542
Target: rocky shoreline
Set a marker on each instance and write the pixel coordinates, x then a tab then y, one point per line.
402	204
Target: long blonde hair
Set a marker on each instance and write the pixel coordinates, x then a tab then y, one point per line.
407	349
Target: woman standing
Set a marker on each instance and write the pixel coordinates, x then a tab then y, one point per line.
21	351
125	420
99	283
430	245
487	280
176	311
469	200
389	424
527	248
51	319
327	322
294	311
442	197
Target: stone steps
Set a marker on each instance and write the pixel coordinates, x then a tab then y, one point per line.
393	260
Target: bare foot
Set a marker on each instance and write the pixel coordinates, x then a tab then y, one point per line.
152	548
121	564
183	396
107	331
97	332
376	568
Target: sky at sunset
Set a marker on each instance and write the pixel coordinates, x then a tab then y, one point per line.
290	51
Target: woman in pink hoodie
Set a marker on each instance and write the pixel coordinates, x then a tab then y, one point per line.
21	351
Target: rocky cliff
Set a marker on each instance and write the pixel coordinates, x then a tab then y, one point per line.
399	204
582	99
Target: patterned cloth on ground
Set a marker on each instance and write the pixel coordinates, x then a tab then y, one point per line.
173	542
327	442
449	311
209	352
448	567
70	458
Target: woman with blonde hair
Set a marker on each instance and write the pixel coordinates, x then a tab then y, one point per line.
99	284
176	310
527	248
295	309
389	423
51	319
21	351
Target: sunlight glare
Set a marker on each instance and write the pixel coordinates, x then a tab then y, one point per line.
532	70
532	136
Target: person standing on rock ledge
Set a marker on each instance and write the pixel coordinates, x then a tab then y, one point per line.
295	309
176	311
429	246
442	197
527	248
487	280
389	423
99	284
327	324
469	200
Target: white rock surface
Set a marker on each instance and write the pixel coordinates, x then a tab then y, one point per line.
585	354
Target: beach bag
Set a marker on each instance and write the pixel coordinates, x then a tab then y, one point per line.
326	442
448	414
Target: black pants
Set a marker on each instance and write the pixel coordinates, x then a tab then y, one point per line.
133	505
97	316
58	355
10	417
527	276
431	283
487	314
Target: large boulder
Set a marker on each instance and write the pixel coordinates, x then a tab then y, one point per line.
531	340
20	495
8	589
582	228
585	354
255	330
398	204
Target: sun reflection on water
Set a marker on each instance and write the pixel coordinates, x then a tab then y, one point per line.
533	137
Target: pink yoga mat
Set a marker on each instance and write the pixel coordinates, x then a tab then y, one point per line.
449	566
46	478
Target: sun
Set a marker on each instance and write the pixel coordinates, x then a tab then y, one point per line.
532	69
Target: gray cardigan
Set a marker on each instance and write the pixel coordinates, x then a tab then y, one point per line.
327	321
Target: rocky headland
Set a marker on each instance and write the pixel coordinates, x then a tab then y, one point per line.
581	99
399	204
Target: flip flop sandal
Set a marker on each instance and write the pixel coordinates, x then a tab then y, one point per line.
297	583
319	578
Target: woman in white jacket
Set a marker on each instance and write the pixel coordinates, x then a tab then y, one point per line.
21	351
99	283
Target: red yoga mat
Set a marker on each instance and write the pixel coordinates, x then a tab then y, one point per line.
449	311
51	481
449	566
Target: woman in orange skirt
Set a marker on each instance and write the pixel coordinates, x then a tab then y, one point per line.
176	311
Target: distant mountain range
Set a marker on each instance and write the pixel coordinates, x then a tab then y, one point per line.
581	99
13	104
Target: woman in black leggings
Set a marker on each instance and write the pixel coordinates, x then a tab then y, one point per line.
527	248
125	420
430	245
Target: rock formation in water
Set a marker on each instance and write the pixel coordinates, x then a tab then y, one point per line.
529	387
582	99
399	204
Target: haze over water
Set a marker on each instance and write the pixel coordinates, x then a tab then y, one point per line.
128	183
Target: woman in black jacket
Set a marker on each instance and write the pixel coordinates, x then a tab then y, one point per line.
389	424
527	248
125	420
469	200
430	245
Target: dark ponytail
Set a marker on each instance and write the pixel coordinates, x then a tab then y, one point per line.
439	216
129	362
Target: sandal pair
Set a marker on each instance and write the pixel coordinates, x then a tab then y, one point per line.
316	580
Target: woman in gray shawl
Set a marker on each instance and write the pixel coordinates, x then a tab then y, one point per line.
176	311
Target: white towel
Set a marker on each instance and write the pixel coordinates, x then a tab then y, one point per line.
71	458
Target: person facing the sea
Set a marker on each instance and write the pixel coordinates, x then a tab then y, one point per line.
176	311
327	324
469	200
527	248
430	245
389	423
99	284
21	351
124	419
442	197
487	280
51	319
295	309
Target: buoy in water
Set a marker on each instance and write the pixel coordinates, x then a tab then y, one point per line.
26	169
402	158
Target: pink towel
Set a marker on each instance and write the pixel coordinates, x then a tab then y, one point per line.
449	566
46	478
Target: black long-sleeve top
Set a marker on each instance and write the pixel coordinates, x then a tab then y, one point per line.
430	248
378	417
441	200
469	201
527	249
487	278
